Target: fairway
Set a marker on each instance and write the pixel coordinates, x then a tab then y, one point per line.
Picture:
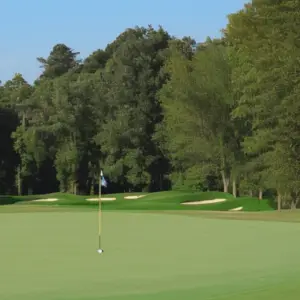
52	255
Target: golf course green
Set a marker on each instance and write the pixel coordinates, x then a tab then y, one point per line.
50	252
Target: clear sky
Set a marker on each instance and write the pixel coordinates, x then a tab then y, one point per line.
32	27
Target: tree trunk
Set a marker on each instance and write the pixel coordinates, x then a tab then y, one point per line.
225	182
260	194
234	190
75	188
293	205
19	176
279	202
251	193
92	188
19	181
296	201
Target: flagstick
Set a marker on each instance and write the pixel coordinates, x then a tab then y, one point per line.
99	213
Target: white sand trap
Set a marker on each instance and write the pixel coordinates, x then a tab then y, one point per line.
46	200
237	208
204	202
102	199
134	197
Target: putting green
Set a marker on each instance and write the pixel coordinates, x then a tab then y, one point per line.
52	255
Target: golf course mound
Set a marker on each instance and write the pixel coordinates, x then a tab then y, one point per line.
165	200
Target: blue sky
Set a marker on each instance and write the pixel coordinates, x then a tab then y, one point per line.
32	27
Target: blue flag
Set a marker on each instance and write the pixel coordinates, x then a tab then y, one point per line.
103	181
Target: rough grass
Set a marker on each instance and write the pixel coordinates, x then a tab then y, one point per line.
169	200
290	216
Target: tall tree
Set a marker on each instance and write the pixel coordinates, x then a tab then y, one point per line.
60	60
268	56
8	157
16	96
197	103
97	60
135	74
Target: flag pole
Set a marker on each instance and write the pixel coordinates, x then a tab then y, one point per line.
99	213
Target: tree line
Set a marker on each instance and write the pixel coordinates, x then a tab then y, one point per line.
157	112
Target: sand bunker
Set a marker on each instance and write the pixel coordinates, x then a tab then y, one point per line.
204	202
46	200
102	199
237	208
134	197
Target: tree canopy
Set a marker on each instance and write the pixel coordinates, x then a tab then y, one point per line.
158	112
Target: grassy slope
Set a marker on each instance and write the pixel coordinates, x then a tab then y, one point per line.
52	256
170	200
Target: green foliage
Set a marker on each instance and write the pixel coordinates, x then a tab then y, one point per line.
157	112
267	83
61	60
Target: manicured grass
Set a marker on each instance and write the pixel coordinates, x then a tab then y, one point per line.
161	256
170	200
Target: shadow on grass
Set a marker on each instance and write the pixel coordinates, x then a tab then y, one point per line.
272	203
8	200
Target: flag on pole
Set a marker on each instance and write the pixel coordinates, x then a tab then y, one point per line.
103	181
